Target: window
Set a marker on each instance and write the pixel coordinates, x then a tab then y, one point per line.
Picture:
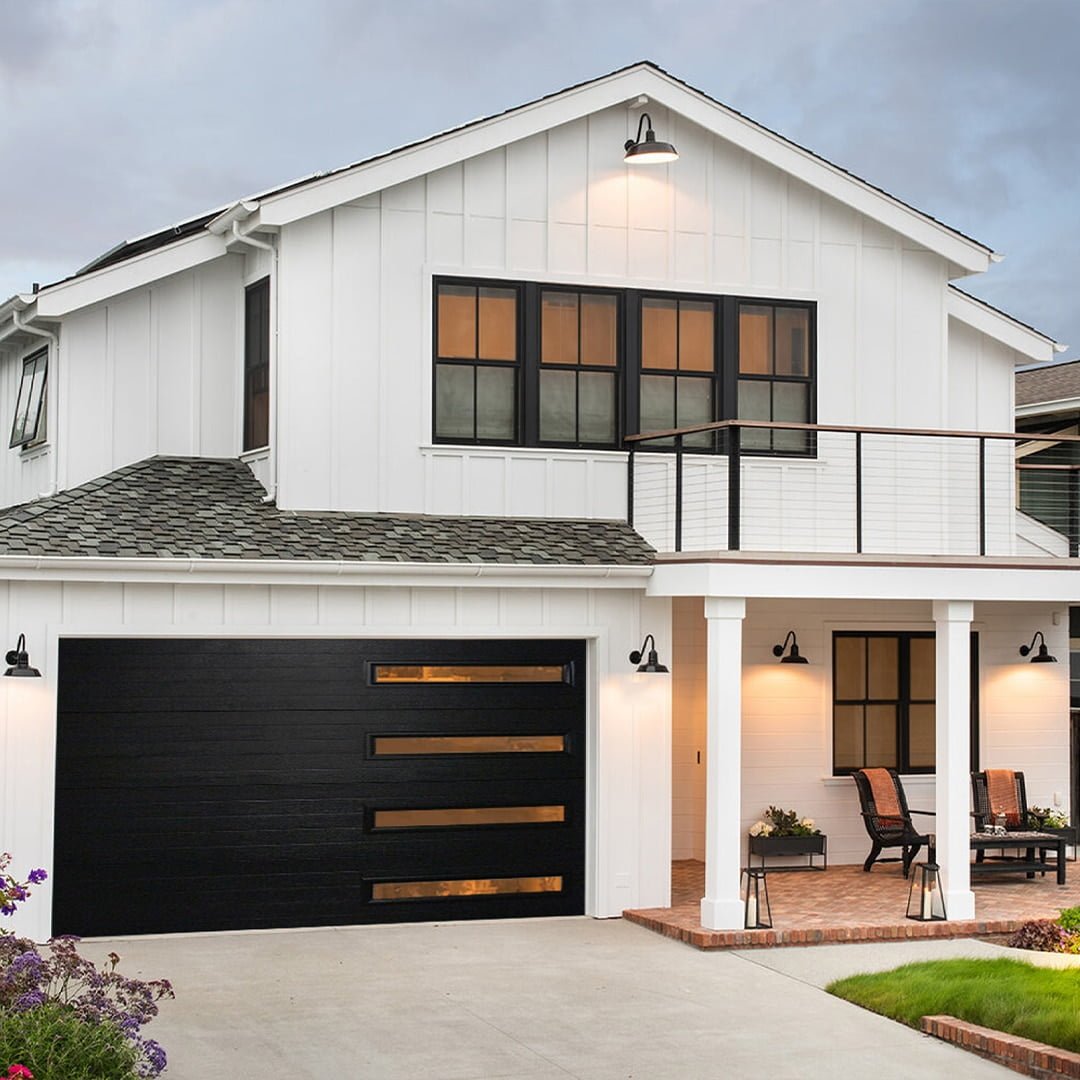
28	427
257	365
519	363
883	701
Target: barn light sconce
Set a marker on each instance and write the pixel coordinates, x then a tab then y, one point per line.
1043	656
648	151
792	657
19	659
653	663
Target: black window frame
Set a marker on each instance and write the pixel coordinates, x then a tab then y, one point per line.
903	701
24	437
628	369
257	301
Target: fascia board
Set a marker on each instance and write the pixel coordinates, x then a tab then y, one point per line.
80	292
1000	327
437	153
1049	408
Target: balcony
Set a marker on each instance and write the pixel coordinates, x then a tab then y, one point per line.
745	485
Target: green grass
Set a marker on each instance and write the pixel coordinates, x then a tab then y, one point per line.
1032	1002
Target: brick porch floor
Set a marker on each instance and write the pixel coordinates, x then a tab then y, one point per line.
845	904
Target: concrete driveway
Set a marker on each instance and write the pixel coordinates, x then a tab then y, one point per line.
522	1000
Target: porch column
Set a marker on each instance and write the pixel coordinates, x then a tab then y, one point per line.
721	908
952	621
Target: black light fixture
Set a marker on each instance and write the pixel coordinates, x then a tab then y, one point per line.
925	900
1043	656
757	914
648	151
653	663
792	657
19	659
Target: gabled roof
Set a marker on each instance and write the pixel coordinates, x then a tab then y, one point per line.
987	319
202	508
1049	386
313	194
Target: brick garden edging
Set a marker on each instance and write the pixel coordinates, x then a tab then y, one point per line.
1021	1055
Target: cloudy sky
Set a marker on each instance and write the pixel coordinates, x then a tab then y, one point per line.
122	116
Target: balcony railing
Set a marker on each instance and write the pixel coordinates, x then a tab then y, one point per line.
750	485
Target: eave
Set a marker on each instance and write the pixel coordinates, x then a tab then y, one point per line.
1011	332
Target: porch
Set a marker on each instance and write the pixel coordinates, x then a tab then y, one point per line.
844	904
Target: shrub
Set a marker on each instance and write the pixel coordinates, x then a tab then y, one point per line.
1070	918
52	1041
1042	935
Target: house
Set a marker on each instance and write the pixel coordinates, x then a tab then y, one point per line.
336	514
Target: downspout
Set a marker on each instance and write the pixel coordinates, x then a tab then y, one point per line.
52	417
262	245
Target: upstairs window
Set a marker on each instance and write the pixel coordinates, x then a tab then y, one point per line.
476	363
257	365
28	427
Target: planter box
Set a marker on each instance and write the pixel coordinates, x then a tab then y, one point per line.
780	846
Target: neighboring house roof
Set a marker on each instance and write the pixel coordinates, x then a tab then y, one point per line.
1050	387
201	508
312	194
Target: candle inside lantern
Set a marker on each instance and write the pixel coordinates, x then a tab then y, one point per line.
751	906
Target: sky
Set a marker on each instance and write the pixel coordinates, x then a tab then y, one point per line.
119	117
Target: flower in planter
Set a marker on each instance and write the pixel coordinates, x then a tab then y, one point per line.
1047	818
780	822
760	828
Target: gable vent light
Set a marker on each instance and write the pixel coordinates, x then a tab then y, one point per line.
19	659
653	663
649	151
792	657
1043	656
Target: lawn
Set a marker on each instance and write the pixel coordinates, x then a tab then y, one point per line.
1032	1002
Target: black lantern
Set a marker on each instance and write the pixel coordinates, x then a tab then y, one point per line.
19	659
653	663
648	151
792	657
1043	656
926	902
757	915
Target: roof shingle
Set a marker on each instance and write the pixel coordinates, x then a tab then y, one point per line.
1054	382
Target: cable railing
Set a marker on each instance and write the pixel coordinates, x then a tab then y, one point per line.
754	485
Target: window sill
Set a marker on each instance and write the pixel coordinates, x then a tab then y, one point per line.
907	779
568	452
32	453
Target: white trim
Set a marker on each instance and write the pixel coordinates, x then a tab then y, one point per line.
999	326
1039	408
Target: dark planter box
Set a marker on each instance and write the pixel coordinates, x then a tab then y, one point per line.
779	846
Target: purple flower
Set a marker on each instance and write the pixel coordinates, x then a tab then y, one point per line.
30	1000
36	877
7	909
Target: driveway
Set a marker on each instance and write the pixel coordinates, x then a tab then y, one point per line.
521	1000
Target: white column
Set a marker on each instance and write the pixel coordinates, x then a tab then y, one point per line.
952	620
721	908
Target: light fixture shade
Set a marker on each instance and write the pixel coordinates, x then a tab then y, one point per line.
1043	655
19	659
793	657
648	150
652	665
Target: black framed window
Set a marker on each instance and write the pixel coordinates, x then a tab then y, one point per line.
775	373
28	425
477	359
257	365
578	377
884	686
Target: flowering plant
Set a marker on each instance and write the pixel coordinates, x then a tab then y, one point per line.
17	1072
13	892
779	822
1047	818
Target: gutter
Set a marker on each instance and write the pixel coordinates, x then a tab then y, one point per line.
52	416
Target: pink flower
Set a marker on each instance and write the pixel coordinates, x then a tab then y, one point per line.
18	1072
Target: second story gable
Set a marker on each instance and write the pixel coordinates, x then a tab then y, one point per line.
474	325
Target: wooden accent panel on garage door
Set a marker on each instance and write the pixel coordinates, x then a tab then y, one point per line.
228	784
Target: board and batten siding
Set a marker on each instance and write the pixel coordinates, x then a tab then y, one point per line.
356	307
787	713
628	716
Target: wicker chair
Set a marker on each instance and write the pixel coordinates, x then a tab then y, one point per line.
984	814
893	829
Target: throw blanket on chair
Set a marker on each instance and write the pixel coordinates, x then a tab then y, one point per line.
886	802
1002	796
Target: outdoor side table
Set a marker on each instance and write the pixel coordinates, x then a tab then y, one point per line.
1034	845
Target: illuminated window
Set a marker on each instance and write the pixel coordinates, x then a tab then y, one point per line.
459	888
469	673
468	816
28	427
396	745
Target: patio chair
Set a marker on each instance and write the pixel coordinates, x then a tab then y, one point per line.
887	818
1000	791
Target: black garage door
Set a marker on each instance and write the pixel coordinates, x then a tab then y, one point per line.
228	784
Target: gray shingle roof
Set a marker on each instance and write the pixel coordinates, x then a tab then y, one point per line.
1055	382
201	508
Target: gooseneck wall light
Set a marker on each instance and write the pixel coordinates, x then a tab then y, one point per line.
19	659
648	151
792	657
1043	655
652	664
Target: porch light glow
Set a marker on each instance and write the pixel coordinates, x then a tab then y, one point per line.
648	151
19	659
925	900
1043	656
653	663
792	657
